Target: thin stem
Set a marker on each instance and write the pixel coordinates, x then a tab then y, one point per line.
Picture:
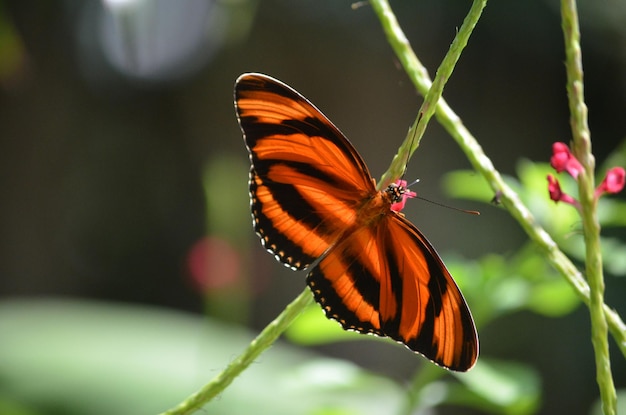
261	343
588	203
482	164
420	77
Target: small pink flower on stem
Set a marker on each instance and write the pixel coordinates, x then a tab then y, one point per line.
613	182
556	194
404	193
563	160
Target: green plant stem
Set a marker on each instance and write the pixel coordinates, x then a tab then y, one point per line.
479	160
588	203
261	343
433	89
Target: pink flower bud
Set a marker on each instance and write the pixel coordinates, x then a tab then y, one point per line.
556	194
613	181
563	160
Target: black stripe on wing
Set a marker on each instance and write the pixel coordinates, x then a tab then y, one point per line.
268	109
357	307
287	224
446	333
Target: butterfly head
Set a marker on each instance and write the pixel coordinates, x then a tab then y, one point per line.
398	193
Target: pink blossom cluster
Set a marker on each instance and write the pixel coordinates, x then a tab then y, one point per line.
563	160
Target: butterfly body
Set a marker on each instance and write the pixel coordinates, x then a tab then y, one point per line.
315	206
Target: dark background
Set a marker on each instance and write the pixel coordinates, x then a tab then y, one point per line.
111	123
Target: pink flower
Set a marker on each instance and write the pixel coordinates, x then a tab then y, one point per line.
613	182
556	194
400	190
563	160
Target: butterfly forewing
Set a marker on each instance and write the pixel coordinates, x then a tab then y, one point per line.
306	178
313	199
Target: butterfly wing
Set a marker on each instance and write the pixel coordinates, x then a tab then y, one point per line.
310	192
306	179
388	280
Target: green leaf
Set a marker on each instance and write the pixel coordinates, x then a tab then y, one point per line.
614	256
313	328
611	212
498	386
76	357
553	298
466	184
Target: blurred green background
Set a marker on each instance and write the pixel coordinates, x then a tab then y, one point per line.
129	272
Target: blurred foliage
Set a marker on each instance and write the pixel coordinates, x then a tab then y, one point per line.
224	211
73	357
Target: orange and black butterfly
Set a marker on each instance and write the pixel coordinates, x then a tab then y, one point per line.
316	208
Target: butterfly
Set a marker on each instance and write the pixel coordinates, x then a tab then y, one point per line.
315	207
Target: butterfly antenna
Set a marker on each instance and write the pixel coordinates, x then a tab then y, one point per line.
471	212
416	181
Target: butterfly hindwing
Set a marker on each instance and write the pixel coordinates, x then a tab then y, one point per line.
388	280
306	178
443	328
347	284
